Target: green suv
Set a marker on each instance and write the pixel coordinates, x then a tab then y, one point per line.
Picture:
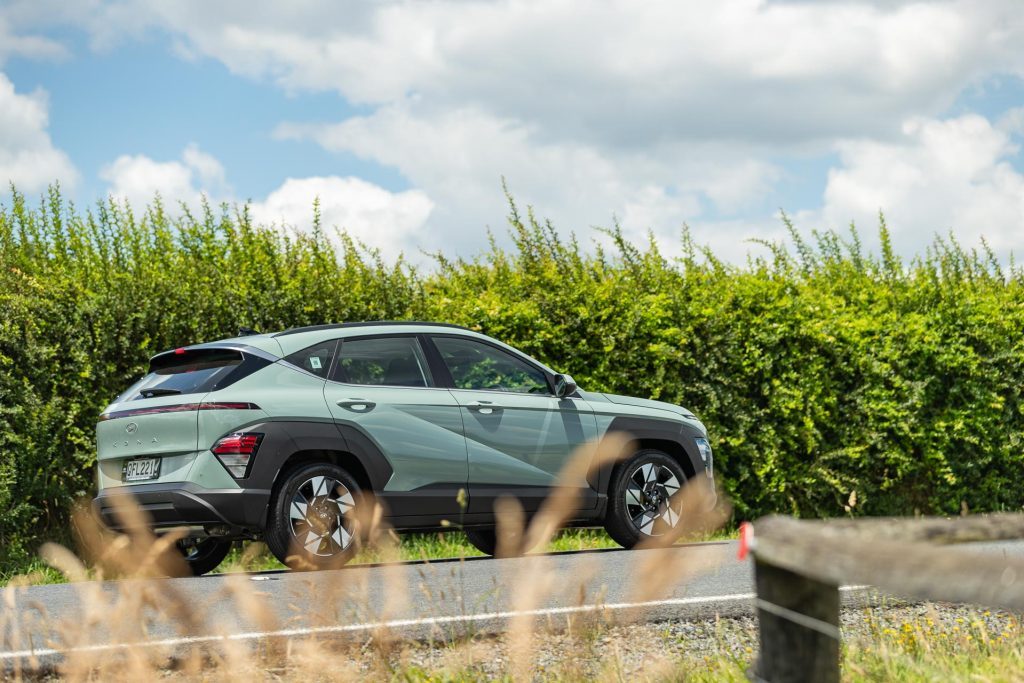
281	436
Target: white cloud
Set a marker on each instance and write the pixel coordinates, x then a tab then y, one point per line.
30	46
460	157
390	221
617	72
138	179
28	157
659	112
942	175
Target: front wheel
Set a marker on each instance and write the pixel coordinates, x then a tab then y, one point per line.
642	497
312	522
203	555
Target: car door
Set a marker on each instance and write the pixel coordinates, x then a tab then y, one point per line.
381	386
518	434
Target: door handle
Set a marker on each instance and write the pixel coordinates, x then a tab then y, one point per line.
357	405
483	407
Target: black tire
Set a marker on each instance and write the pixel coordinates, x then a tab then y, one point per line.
644	512
327	534
485	539
203	555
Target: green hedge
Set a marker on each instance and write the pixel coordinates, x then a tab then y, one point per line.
820	370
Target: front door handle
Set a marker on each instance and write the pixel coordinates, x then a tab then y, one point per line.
483	407
357	405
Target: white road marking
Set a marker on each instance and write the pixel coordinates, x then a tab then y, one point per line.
392	624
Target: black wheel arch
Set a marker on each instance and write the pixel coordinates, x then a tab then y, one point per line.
288	444
674	438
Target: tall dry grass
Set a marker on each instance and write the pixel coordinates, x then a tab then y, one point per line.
120	629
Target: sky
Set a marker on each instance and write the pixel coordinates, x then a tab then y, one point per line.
404	118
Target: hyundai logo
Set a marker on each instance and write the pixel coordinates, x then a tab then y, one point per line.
131	428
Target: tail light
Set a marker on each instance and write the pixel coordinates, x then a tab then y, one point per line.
236	452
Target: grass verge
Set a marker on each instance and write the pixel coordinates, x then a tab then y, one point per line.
253	556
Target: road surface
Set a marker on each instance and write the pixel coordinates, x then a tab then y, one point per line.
410	600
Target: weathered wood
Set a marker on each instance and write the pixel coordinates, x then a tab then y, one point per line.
798	619
937	530
844	554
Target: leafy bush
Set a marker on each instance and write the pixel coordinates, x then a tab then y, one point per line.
821	370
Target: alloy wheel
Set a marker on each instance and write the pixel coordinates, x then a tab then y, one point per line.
649	499
321	516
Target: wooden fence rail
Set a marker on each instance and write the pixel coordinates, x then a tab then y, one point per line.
799	566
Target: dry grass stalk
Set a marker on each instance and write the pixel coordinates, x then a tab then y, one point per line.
127	611
662	569
533	583
564	500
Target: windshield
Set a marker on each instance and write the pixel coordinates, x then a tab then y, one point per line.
196	371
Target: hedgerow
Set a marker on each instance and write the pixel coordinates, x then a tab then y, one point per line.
832	380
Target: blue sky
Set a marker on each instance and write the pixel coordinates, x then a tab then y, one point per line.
404	117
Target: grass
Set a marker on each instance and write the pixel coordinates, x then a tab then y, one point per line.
963	644
437	546
252	556
958	644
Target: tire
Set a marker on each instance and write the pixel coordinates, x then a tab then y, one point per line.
639	497
485	539
312	522
203	555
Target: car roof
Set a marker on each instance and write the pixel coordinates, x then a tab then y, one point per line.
289	341
373	323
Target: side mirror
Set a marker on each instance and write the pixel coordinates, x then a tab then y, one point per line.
564	386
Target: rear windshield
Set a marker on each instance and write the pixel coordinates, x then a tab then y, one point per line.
194	371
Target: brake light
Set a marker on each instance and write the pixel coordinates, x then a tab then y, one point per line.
236	452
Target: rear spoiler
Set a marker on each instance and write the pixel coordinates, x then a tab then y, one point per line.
160	359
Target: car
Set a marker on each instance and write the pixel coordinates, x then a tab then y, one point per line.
285	436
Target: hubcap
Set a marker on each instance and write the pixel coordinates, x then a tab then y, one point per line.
321	516
649	501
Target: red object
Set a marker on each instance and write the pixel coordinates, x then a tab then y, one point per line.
746	540
221	405
179	352
237	444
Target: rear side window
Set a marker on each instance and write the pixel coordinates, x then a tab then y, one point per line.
382	361
192	371
315	359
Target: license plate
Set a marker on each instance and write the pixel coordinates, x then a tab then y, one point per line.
140	469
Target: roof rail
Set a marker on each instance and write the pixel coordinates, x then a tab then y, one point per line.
369	323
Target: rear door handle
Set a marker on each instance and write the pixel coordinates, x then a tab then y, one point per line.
483	407
357	405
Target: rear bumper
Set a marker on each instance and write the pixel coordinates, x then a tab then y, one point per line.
240	512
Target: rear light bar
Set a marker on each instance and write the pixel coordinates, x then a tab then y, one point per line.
178	408
236	452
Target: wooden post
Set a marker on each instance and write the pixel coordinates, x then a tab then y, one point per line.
799	626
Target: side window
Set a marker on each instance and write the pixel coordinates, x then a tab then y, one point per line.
316	359
383	361
475	365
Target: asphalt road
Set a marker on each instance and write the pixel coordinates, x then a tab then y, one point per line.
414	600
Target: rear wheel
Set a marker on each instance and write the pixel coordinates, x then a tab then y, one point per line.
641	504
203	555
312	522
485	539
